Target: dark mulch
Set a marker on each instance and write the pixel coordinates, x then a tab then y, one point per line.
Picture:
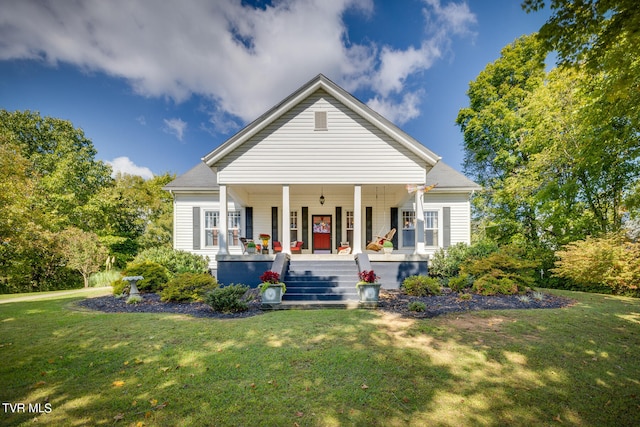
390	300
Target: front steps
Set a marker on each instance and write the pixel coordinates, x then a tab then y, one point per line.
317	281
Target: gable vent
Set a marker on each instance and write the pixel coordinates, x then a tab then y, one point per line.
321	120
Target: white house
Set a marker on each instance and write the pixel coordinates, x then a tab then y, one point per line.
323	169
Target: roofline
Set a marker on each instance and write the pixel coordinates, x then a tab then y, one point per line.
321	82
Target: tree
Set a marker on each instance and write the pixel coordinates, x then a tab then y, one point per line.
83	252
493	126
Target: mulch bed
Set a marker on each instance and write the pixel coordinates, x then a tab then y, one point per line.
390	301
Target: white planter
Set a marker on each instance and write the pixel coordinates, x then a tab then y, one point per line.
368	292
387	250
273	294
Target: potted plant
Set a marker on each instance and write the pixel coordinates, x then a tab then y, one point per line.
265	243
387	246
368	286
251	247
271	288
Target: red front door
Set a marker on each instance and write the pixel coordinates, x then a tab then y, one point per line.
321	234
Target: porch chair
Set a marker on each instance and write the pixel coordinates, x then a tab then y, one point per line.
296	247
376	245
277	246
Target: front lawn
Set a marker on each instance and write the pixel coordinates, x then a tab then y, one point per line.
571	366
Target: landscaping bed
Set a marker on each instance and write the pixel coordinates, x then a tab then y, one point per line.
390	301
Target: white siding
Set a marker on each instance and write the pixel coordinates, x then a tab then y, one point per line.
350	151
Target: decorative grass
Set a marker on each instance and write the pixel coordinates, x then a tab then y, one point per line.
572	366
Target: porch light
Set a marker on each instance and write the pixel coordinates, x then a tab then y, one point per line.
322	197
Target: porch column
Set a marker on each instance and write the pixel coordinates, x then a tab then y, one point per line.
419	231
357	219
224	221
286	218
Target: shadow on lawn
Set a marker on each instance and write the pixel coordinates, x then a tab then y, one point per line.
539	367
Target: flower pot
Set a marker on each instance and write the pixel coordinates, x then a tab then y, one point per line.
387	250
368	292
251	250
272	294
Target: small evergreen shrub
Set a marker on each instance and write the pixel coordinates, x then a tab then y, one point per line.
228	299
155	275
504	272
465	297
448	262
421	286
134	299
175	261
188	287
120	287
492	285
417	306
460	283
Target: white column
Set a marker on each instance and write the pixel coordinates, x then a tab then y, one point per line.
357	219
286	218
419	222
224	221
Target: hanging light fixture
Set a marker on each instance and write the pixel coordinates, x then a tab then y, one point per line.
322	196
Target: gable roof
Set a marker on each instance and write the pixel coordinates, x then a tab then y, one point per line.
449	179
321	82
198	178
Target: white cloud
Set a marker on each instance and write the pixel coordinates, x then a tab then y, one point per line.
398	112
126	166
243	59
175	127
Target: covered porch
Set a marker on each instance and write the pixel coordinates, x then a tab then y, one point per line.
324	217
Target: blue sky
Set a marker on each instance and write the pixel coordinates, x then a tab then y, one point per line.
158	85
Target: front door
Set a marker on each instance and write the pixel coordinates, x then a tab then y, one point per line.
321	234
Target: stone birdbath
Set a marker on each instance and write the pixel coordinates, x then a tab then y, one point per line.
133	280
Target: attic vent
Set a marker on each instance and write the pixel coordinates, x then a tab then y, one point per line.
321	120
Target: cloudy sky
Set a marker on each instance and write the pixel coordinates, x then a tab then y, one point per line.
156	85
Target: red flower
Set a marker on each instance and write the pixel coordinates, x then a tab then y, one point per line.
368	276
270	277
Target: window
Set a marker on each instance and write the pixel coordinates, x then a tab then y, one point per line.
211	224
320	120
431	228
233	225
350	227
294	225
408	229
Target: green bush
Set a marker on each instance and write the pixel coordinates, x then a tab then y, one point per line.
120	287
417	306
460	283
503	272
492	285
420	286
104	278
155	275
228	299
447	262
608	264
175	261
188	287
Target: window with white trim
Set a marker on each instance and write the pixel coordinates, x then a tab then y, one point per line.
234	219
408	229
349	227
294	226
211	225
431	228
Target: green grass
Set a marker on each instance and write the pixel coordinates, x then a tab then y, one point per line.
572	366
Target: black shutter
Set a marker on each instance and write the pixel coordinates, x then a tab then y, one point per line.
338	225
305	227
369	224
274	225
196	227
248	213
446	227
394	224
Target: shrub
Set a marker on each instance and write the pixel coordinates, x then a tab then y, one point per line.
460	283
104	278
188	287
420	286
447	262
608	261
417	306
155	275
134	299
464	297
228	299
175	261
495	285
501	271
120	287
